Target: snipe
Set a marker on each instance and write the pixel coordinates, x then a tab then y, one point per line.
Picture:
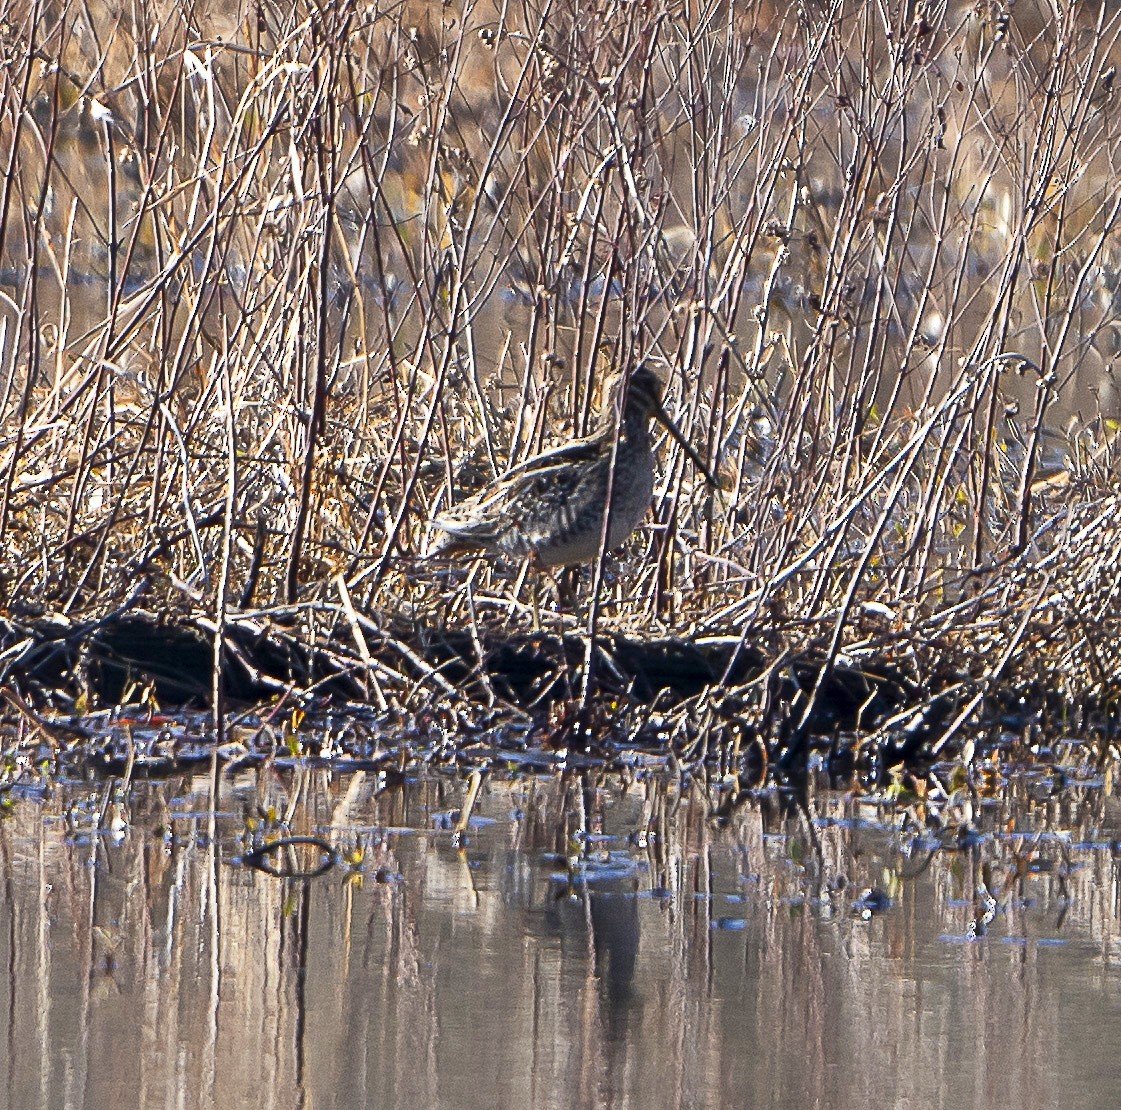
551	506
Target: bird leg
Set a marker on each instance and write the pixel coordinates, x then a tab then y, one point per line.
527	571
566	584
535	567
536	570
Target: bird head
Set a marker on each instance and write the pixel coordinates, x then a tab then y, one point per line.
641	396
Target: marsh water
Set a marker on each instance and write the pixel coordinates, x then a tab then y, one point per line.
617	940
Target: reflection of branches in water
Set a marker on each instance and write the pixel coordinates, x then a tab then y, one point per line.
285	288
671	930
260	857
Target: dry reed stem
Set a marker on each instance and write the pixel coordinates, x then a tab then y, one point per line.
274	289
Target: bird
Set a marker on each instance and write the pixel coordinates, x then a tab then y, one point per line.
550	508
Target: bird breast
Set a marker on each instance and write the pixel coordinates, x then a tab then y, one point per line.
568	531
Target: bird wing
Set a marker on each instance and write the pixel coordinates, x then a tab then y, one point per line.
525	499
573	453
517	499
529	485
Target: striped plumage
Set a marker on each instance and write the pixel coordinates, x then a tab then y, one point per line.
551	506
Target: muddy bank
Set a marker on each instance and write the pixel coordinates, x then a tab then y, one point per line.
713	696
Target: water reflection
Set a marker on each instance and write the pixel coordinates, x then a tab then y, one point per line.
594	944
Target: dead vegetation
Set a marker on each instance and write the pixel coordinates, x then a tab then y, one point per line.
278	285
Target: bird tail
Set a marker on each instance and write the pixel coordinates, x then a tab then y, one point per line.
451	536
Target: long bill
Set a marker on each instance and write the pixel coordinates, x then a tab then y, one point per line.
666	420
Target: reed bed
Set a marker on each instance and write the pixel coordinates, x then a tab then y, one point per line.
281	282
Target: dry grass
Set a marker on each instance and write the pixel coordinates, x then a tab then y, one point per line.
279	285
